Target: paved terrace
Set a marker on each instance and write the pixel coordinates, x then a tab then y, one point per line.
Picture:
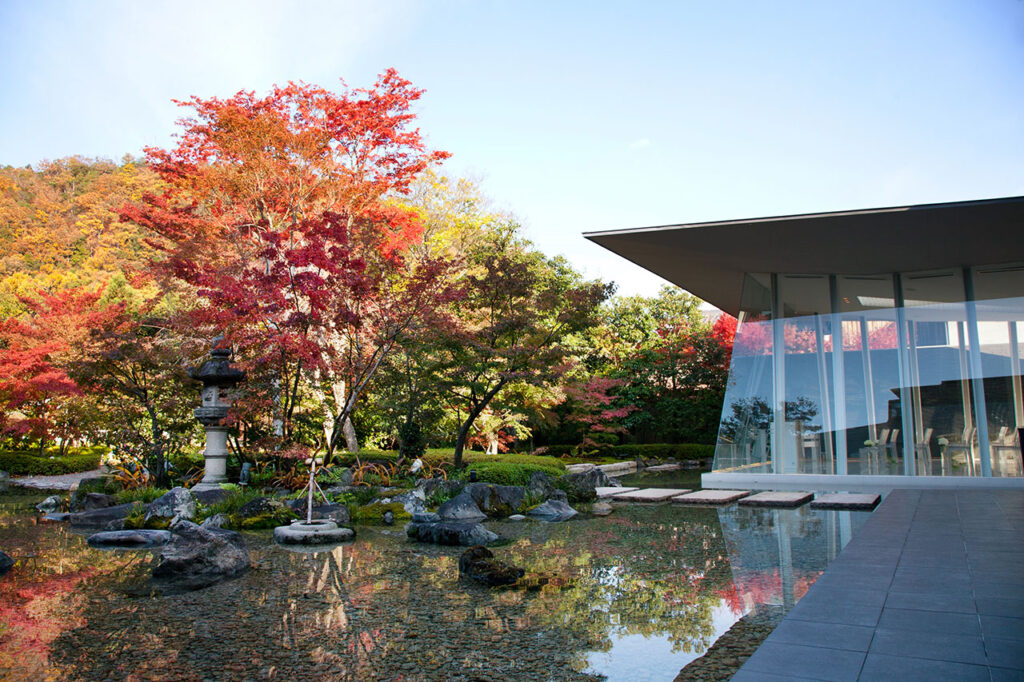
931	588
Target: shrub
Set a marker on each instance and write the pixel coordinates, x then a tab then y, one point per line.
411	436
664	450
144	495
509	473
24	463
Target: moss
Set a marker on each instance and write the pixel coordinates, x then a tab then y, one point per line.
280	517
374	513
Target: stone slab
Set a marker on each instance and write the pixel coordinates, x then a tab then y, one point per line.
665	467
711	497
777	499
609	491
650	495
617	467
854	501
578	468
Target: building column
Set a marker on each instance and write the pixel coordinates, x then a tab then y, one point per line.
906	385
778	447
838	379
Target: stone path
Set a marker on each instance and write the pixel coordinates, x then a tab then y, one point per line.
611	491
851	501
777	499
62	482
650	495
711	496
931	588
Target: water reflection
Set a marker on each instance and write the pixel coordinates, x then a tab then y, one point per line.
635	595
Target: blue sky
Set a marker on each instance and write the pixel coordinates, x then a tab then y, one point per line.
576	116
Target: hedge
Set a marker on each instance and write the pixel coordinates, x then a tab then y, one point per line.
510	473
22	463
652	450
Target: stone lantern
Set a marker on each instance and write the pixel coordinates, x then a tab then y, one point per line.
219	380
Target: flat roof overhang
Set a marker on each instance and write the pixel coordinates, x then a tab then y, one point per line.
709	259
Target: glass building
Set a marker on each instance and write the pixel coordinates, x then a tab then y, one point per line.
875	349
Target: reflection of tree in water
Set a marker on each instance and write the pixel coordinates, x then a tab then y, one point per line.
40	597
751	414
384	609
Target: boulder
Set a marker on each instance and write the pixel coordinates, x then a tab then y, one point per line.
175	504
478	563
130	539
94	484
461	508
92	501
210	496
429	486
197	557
260	506
50	504
425	517
98	518
6	562
57	517
553	510
446	533
580	487
496	501
413	501
329	511
215	521
542	487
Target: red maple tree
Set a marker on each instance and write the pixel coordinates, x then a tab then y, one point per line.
280	212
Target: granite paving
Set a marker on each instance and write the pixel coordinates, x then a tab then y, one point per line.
609	491
931	588
777	499
851	501
711	497
650	495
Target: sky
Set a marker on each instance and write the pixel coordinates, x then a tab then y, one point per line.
574	116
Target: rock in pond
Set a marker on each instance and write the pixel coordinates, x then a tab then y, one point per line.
316	533
581	486
330	511
91	501
517	517
197	557
542	487
215	521
461	508
6	562
449	533
57	517
50	504
175	504
130	539
479	564
553	510
425	517
98	518
601	509
261	506
496	501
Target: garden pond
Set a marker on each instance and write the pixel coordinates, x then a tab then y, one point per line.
632	596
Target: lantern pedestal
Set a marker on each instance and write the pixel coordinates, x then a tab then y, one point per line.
219	379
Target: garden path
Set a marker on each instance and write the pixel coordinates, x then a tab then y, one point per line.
62	482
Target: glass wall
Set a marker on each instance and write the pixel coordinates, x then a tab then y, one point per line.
915	374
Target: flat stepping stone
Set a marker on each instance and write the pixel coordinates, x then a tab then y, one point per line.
665	467
650	495
854	501
711	497
776	499
608	491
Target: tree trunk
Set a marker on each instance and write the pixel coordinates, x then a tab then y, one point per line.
351	441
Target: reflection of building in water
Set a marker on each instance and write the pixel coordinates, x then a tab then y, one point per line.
777	554
884	344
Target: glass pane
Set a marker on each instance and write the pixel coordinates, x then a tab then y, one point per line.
873	411
743	434
936	334
1000	308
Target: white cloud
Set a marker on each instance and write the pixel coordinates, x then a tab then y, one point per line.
640	144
